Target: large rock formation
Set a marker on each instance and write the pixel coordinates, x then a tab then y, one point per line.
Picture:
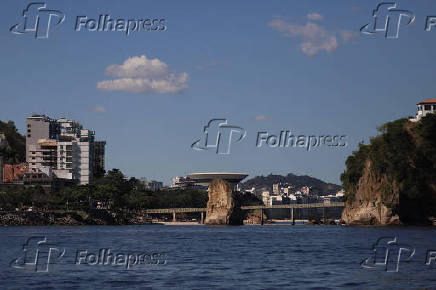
392	179
369	205
222	207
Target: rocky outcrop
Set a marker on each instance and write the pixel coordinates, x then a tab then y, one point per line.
40	219
375	201
96	217
255	218
222	207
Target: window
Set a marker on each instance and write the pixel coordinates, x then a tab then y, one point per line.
28	130
33	163
28	135
33	158
28	125
33	152
434	107
427	107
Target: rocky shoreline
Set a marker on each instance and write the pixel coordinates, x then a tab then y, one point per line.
69	219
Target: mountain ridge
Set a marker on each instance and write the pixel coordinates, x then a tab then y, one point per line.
318	186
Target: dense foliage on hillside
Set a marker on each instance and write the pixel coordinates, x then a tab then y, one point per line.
15	152
318	186
404	154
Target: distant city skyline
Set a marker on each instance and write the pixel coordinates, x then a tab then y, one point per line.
300	66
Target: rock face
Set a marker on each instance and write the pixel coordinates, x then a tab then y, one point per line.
222	206
372	205
255	218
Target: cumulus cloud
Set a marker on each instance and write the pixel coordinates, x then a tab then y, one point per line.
314	16
262	118
348	36
314	37
140	74
98	109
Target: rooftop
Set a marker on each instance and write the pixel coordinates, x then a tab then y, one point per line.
428	101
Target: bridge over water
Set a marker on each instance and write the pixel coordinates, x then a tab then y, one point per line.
262	208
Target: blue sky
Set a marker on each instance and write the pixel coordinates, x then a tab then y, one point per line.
292	65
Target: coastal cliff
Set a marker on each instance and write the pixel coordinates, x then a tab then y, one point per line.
392	180
370	206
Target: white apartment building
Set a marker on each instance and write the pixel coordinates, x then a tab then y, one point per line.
61	145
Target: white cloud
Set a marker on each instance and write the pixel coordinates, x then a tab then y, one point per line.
314	16
314	38
140	74
98	109
262	118
348	36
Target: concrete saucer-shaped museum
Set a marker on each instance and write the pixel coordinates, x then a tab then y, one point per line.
205	178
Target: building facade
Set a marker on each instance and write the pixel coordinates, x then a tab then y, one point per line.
99	158
425	107
60	148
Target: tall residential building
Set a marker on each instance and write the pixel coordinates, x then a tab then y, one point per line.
99	160
60	148
39	127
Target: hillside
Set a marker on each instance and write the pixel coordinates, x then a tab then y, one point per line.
15	150
393	179
318	186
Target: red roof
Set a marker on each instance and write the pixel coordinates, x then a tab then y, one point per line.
428	101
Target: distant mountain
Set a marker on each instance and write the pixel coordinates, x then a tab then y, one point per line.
14	150
318	186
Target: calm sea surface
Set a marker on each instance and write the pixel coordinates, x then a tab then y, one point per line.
204	257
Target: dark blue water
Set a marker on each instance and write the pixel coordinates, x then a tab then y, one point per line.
202	257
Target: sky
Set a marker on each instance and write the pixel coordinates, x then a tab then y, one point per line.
265	66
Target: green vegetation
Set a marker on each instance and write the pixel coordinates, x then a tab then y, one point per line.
15	152
405	155
113	188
